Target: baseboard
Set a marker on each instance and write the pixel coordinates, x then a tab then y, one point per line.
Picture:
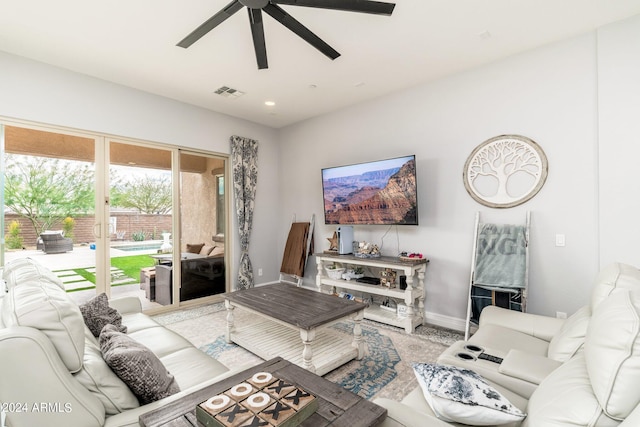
445	321
266	283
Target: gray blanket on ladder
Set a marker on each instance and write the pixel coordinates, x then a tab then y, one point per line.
501	256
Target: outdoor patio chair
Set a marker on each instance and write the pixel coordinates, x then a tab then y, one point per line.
56	243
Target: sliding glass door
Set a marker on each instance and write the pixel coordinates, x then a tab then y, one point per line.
140	222
49	200
127	218
203	270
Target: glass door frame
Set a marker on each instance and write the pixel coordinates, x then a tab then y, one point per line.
98	140
102	202
228	242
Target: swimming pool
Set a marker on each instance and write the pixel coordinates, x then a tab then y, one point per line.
140	247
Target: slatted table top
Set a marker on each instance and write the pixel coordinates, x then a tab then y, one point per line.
300	307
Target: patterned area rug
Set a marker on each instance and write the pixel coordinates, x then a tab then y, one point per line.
385	370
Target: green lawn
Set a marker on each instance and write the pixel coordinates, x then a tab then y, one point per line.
130	266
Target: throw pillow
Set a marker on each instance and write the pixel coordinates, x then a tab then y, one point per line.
97	314
194	249
136	366
206	250
463	396
217	251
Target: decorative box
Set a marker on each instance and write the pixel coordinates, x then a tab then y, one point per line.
260	400
388	278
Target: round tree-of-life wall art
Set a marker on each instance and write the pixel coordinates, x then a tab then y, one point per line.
505	171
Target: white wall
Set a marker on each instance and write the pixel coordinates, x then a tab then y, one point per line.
619	112
41	93
548	95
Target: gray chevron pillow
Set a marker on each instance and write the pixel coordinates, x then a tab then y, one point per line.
136	366
97	314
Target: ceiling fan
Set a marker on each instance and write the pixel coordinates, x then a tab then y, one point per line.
255	8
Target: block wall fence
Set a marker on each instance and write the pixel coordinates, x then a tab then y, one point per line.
129	223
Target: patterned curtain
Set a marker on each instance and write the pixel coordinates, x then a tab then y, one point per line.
244	156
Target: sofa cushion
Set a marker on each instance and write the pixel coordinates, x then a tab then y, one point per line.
44	306
97	377
612	353
614	276
97	314
194	248
217	251
565	398
570	339
25	270
201	366
137	366
460	395
206	250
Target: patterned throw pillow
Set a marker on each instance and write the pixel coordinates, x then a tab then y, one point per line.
136	366
463	396
97	314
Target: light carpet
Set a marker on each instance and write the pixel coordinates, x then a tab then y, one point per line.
385	370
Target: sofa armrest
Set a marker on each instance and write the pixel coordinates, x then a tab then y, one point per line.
543	327
399	414
126	305
33	375
528	367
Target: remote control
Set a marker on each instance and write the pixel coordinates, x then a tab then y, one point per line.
490	358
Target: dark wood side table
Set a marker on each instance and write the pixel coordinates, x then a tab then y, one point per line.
336	406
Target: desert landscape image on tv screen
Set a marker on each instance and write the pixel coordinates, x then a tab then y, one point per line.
380	192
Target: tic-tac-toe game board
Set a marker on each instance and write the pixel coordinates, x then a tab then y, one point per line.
262	400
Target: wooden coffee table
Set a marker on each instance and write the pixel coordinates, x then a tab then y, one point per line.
336	406
291	322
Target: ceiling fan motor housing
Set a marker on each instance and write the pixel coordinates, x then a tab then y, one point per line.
254	4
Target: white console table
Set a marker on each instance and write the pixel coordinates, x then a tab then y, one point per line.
413	295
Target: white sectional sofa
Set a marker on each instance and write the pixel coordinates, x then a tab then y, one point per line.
52	371
582	371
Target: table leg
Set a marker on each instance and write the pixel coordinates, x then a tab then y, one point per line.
411	311
357	334
421	295
230	308
307	352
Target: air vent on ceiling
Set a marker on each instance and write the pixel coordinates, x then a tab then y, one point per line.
229	92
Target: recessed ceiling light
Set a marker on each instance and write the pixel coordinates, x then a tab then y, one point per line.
269	103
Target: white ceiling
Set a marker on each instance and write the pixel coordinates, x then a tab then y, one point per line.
133	43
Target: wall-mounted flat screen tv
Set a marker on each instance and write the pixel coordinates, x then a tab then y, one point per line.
379	192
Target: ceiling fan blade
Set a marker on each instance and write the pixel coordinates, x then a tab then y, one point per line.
363	6
257	32
211	23
291	23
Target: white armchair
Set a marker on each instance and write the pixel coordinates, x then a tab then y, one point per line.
595	385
